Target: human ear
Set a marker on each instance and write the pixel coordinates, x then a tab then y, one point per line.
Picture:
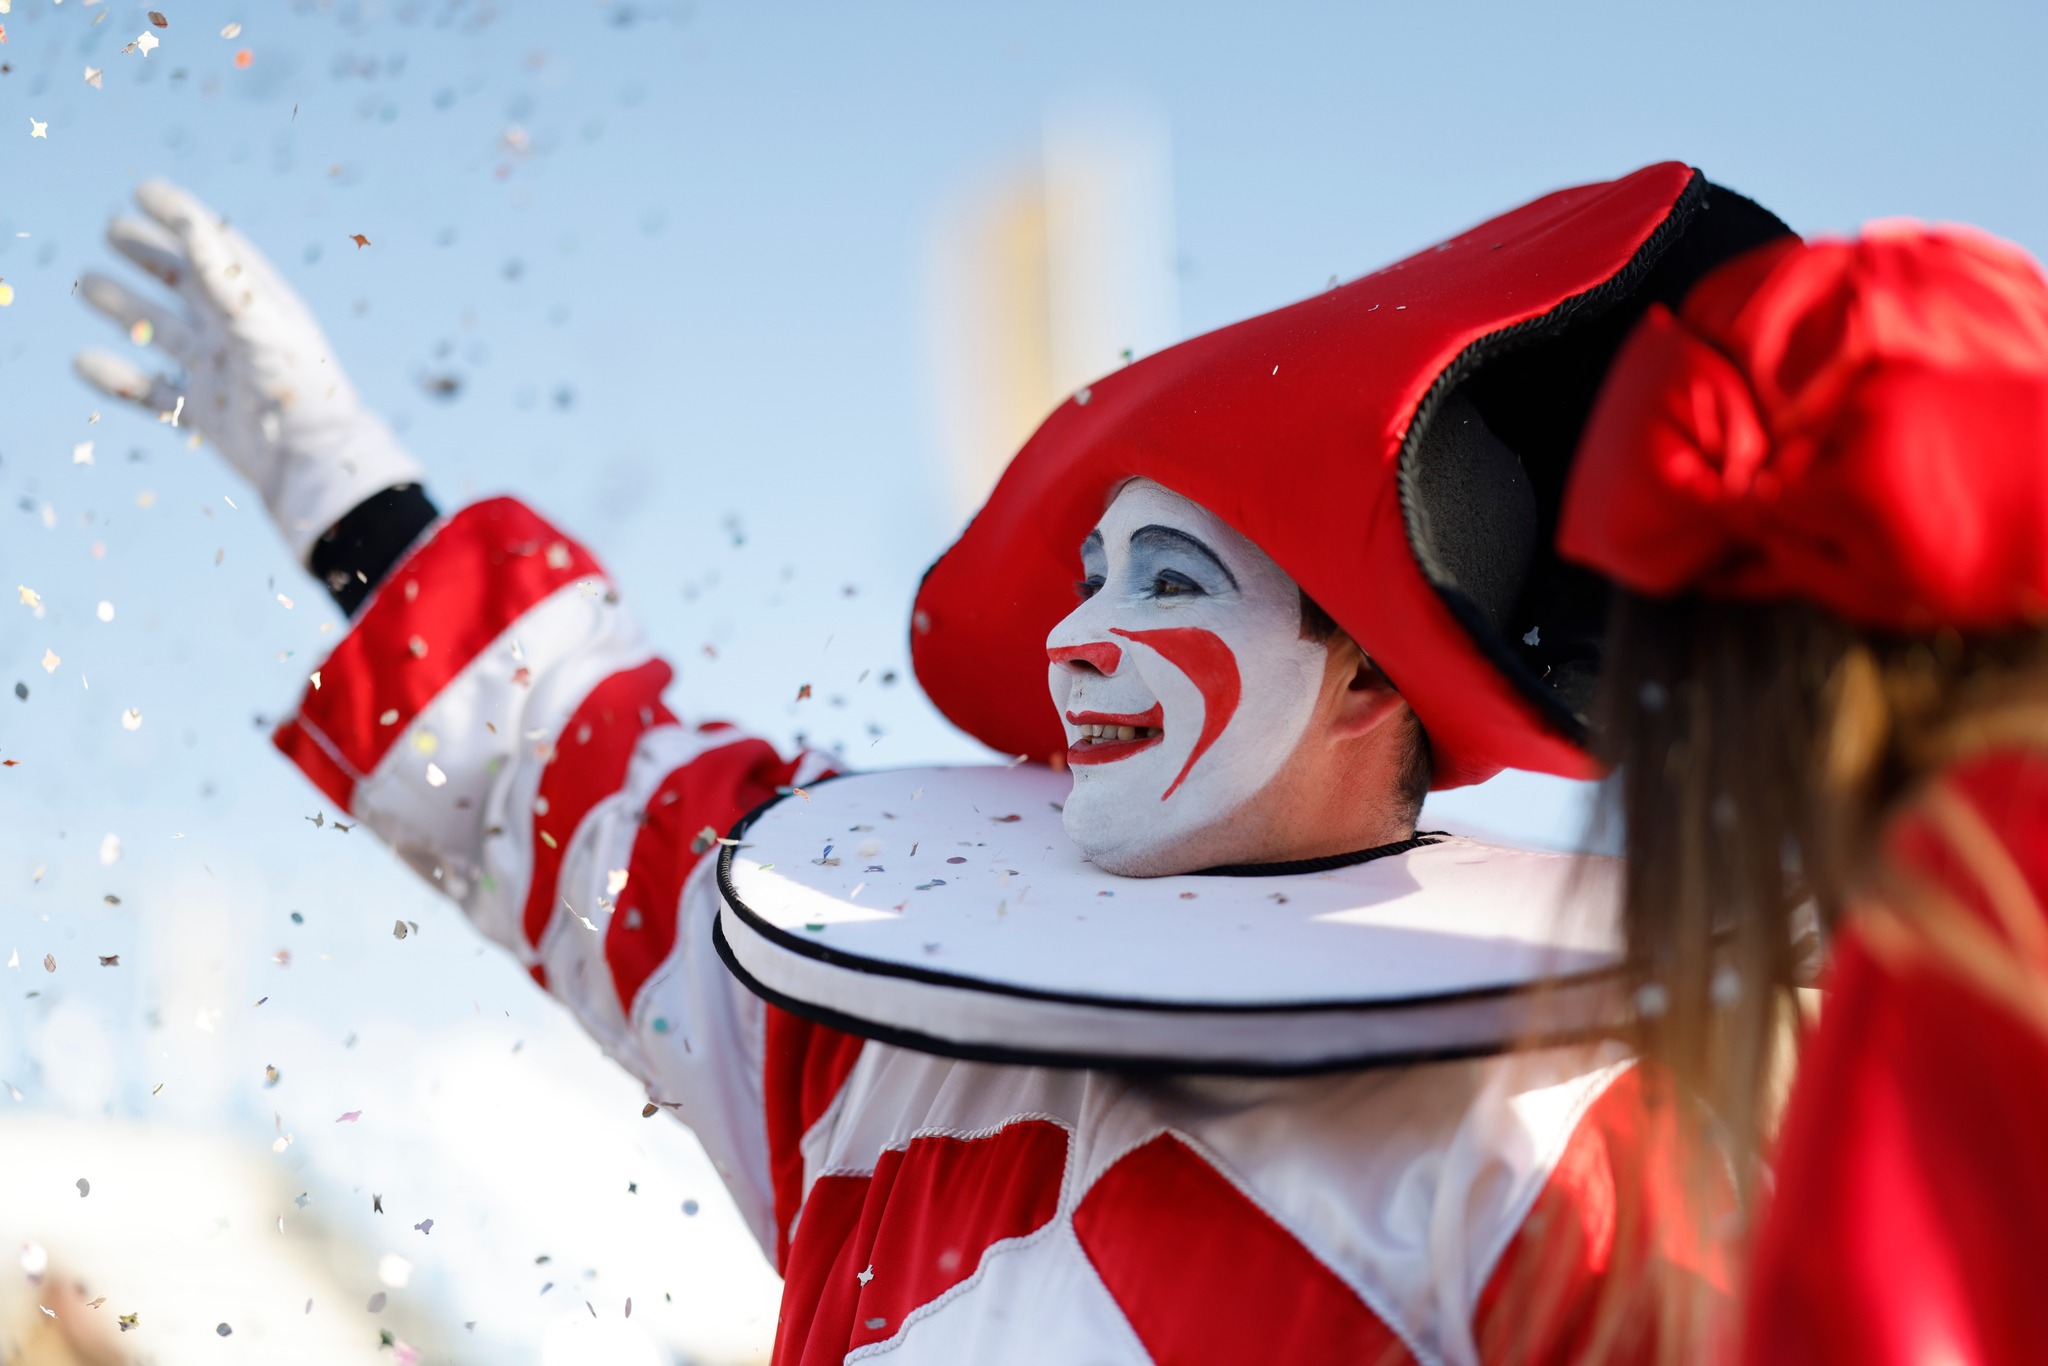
1364	699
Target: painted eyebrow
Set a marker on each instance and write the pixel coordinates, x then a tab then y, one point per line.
1092	541
1156	534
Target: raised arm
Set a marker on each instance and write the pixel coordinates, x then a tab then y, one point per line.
493	712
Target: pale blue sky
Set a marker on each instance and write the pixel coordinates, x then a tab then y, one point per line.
696	302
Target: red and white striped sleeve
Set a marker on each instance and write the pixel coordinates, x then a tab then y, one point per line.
496	716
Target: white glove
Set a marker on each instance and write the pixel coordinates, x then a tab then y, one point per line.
260	380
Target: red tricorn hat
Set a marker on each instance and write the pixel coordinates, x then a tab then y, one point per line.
1397	444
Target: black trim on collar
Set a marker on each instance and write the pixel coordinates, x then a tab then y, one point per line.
811	948
1324	863
1140	1066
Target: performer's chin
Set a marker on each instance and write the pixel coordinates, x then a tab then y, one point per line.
1116	818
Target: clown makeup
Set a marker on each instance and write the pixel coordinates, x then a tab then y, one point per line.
1183	679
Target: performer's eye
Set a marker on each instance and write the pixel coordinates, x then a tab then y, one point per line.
1171	583
1088	587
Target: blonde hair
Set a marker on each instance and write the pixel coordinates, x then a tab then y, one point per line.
1755	752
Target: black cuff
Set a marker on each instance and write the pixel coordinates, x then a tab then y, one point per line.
360	549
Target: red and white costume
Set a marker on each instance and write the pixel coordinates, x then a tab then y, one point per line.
925	1209
496	716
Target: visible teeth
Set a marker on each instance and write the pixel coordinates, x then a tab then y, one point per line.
1094	732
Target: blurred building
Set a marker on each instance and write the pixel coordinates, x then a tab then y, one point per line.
1047	273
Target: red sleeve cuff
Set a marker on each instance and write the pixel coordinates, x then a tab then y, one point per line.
440	607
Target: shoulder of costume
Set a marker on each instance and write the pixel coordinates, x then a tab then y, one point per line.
946	910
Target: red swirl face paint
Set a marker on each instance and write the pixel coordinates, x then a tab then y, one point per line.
1210	666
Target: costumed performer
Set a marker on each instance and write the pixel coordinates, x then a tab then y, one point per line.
1179	1044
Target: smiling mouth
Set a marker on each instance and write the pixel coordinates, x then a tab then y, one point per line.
1105	738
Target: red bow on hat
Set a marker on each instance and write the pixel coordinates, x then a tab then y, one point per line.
1860	424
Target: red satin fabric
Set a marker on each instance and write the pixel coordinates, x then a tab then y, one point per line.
1862	424
1913	1168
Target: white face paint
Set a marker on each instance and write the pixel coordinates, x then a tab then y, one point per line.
1183	679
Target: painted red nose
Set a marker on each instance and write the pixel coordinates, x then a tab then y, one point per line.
1098	655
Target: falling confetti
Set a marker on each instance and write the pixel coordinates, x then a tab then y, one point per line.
355	237
49	962
131	719
243	59
105	611
425	1226
92	78
81	454
38	129
110	850
142	332
351	1117
84	1188
231	31
29	596
6	294
146	44
50	661
110	960
156	17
